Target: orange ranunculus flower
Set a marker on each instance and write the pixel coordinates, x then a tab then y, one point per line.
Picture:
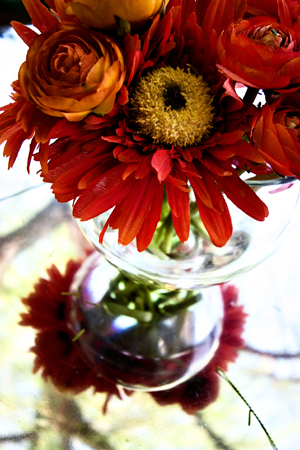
260	53
101	13
72	71
277	134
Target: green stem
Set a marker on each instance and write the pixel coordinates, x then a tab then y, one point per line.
251	411
142	302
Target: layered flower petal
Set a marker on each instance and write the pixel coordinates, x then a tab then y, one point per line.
276	134
261	53
101	13
71	71
282	9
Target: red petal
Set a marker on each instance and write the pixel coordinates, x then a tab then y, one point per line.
218	226
162	163
243	197
180	208
32	147
147	230
220	13
26	34
13	145
43	157
64	128
247	151
200	189
136	207
284	14
103	194
111	221
41	17
144	167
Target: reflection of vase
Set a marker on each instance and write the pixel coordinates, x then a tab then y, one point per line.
155	353
140	351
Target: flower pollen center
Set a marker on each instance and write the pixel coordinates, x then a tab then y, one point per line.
173	106
173	97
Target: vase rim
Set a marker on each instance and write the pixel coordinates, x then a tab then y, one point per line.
269	181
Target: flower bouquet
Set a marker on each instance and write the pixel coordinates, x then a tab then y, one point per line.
130	121
166	123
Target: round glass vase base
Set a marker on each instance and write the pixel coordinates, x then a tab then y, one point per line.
142	350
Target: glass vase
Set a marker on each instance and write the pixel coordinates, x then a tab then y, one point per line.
198	263
149	321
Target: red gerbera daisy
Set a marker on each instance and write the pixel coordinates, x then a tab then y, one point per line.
173	129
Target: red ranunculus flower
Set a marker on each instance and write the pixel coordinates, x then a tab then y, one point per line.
262	53
277	134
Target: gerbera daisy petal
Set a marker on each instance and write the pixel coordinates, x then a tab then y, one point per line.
136	207
162	163
85	209
218	225
179	203
41	17
147	230
243	197
26	34
99	194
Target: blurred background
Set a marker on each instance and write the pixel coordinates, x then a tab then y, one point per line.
12	10
36	232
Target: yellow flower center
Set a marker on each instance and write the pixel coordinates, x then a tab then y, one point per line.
173	107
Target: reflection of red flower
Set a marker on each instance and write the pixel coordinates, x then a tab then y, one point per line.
261	52
203	388
56	355
59	358
277	134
